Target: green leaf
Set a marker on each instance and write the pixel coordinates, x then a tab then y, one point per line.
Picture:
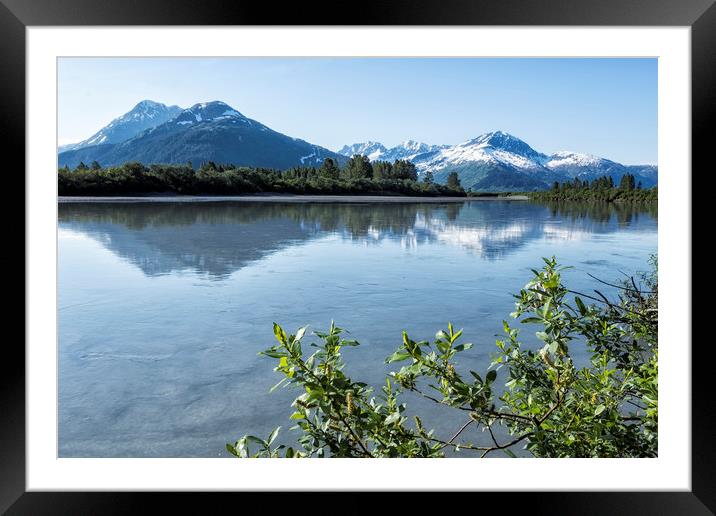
300	333
273	435
599	409
279	333
442	346
398	356
279	384
490	376
477	376
395	416
580	305
529	320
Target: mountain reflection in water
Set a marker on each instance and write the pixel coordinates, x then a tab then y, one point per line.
163	307
219	238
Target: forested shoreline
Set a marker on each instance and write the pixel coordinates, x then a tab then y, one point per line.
601	189
358	177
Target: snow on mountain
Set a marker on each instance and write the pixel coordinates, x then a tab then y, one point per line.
576	164
145	115
210	111
410	150
374	151
500	161
496	148
570	159
208	131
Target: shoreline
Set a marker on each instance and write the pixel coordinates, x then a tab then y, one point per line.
280	198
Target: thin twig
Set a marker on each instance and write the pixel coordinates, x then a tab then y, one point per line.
621	287
469	421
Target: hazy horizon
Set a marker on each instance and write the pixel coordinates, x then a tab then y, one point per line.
601	106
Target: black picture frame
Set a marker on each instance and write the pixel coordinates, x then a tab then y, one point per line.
16	15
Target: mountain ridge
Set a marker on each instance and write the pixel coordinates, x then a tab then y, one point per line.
207	131
155	133
499	161
144	115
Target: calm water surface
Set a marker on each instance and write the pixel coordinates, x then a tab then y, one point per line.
163	306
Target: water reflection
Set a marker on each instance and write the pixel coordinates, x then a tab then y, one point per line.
219	238
163	307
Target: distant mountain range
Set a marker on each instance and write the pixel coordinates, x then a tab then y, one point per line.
498	161
408	150
214	131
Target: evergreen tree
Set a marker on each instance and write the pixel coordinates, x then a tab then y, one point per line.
453	181
382	170
404	169
359	167
82	166
95	165
428	177
627	182
329	169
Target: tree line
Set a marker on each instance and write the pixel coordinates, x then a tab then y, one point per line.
600	189
358	176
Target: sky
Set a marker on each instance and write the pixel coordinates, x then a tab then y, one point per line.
601	106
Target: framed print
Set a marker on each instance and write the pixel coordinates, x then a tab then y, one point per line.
420	242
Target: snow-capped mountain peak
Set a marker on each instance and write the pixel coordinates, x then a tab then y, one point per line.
206	131
209	111
373	150
144	115
494	149
567	158
500	140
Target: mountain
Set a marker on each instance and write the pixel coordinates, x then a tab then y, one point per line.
210	131
498	161
375	151
143	116
372	150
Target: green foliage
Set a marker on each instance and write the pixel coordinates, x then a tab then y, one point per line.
382	170
218	179
358	167
329	169
453	180
549	406
404	169
600	189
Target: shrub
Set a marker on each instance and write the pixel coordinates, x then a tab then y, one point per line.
549	406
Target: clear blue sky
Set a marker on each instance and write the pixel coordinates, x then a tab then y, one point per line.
606	107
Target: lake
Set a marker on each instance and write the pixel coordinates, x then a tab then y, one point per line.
163	306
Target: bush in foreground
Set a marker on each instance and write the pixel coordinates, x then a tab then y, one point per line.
549	406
